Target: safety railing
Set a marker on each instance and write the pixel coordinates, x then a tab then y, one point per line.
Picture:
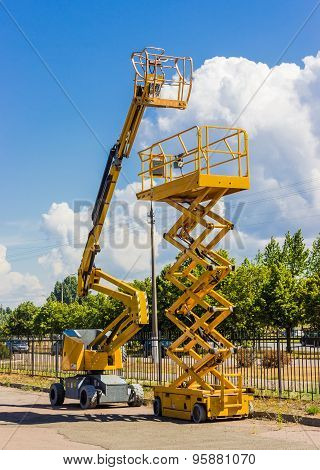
167	77
210	150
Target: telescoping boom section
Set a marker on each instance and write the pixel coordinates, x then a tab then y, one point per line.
193	171
160	81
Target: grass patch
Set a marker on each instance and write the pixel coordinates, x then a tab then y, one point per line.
286	406
27	381
313	410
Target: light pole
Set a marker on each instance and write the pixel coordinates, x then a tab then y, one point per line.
154	317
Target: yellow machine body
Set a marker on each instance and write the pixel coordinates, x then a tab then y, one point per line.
179	403
76	358
192	171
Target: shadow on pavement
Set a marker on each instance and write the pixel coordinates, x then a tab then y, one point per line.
29	416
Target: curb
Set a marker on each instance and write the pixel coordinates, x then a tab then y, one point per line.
279	417
31	388
286	418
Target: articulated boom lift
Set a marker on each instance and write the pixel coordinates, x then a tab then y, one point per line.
160	81
192	171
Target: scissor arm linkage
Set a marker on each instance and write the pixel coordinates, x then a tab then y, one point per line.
199	331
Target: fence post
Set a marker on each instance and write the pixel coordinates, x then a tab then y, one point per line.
32	357
57	343
279	366
159	361
10	358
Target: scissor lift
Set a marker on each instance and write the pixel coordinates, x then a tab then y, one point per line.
193	171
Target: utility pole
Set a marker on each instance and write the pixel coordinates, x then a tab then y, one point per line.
154	318
62	291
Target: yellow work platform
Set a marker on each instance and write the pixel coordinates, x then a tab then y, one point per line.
202	157
186	188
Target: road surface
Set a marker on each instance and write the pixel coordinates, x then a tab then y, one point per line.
28	422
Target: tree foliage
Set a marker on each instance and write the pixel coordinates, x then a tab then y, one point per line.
279	288
65	291
295	254
20	322
314	258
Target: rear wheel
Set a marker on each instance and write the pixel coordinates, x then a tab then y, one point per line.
199	413
136	395
88	397
157	407
57	394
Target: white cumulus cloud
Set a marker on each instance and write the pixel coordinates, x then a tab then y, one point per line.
16	286
279	107
125	241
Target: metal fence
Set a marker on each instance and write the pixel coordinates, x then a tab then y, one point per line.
264	361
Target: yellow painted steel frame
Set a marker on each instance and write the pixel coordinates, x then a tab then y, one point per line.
160	81
201	349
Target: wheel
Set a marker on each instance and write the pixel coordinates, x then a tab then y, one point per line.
136	396
199	413
157	407
88	397
57	394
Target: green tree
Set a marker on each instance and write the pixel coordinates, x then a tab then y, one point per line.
95	311
100	310
243	288
271	255
20	321
5	313
314	257
65	291
311	301
282	300
295	254
51	318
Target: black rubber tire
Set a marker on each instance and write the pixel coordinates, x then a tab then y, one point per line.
88	397
157	407
136	396
57	394
199	413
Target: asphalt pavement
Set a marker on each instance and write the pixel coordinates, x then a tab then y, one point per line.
27	421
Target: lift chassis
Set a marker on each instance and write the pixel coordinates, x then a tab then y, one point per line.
96	389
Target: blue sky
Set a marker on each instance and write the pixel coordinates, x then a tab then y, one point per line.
48	154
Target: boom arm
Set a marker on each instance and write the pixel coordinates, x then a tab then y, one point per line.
105	194
160	81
